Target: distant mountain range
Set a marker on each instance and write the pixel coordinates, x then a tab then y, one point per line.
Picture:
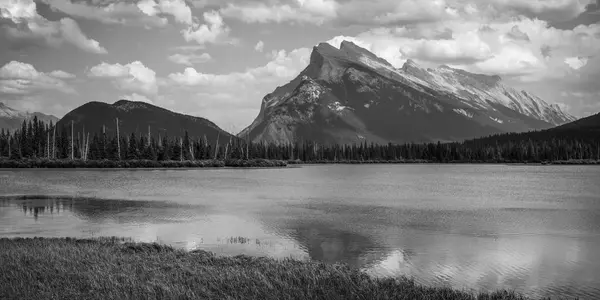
350	95
12	119
138	117
345	95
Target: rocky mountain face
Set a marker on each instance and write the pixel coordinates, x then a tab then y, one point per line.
350	95
136	117
12	119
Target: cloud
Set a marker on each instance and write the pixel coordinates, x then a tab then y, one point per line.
18	78
314	11
283	65
133	76
551	10
260	46
213	31
148	13
576	63
112	13
190	59
519	47
61	74
176	8
384	12
18	11
28	26
233	98
71	33
136	97
516	34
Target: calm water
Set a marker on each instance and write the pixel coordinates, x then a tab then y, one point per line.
534	229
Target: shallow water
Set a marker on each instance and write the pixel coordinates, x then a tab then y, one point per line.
534	229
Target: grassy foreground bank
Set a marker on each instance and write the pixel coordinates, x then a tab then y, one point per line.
111	268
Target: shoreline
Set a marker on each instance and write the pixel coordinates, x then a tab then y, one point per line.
243	164
117	268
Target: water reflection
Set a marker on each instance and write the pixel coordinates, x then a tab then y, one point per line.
531	229
328	244
103	210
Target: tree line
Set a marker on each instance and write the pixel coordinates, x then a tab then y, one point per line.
36	139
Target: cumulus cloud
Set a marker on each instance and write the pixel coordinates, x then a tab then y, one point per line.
260	46
190	59
553	10
18	78
148	13
282	66
136	97
176	8
315	11
28	25
214	30
392	12
384	12
522	47
516	34
214	95
576	63
111	13
133	76
61	74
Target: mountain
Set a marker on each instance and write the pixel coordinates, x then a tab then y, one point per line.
12	119
350	95
136	117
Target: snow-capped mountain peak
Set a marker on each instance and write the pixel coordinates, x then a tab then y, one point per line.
12	119
349	91
7	112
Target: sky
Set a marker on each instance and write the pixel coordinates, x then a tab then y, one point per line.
217	59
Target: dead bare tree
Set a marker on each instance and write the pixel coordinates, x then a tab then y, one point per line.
248	145
118	140
48	144
87	146
72	140
54	142
181	149
217	146
227	148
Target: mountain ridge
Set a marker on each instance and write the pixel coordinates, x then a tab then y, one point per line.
12	119
354	95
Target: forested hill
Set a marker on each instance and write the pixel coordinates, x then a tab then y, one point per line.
138	117
585	130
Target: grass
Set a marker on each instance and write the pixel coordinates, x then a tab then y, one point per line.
66	163
113	268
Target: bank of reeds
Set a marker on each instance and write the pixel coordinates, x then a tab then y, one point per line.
112	268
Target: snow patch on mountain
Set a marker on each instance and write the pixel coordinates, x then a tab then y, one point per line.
497	120
336	106
463	112
477	90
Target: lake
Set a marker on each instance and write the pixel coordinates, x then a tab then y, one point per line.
533	229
